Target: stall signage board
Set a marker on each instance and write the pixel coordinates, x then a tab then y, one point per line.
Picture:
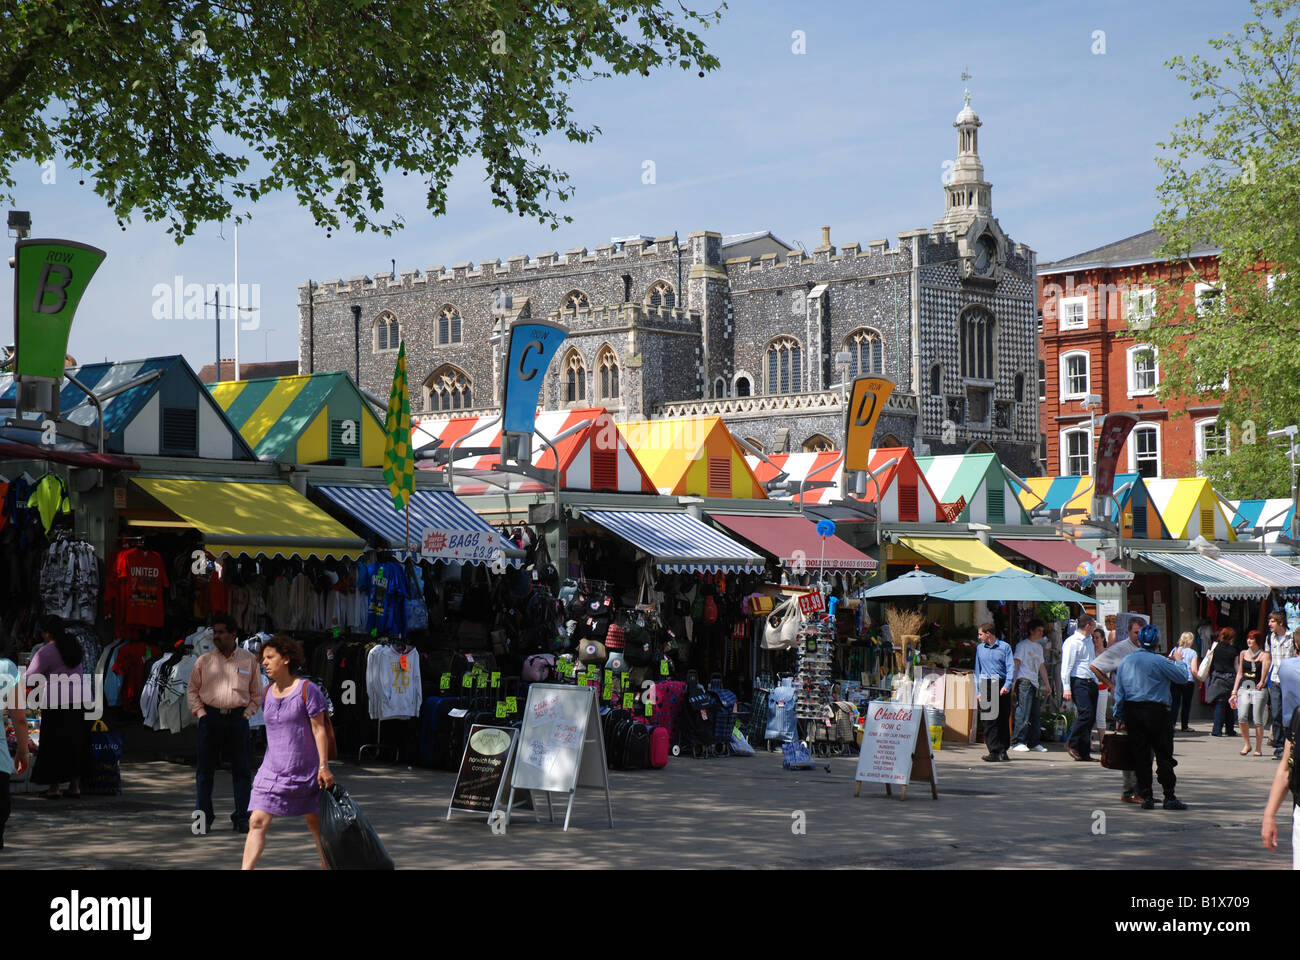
561	747
895	747
489	754
50	278
810	603
462	546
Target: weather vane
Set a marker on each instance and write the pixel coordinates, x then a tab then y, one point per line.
965	78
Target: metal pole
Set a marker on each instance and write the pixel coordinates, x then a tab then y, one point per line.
238	300
218	305
356	344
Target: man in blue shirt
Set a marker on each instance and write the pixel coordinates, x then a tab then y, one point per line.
1142	698
995	671
1079	685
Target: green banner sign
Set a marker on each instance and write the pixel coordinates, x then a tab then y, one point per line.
50	277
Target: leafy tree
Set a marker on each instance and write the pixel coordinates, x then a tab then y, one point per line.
180	109
1252	471
1231	179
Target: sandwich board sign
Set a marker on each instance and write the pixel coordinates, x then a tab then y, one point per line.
561	747
895	748
484	768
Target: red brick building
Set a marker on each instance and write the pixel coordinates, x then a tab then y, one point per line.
1093	309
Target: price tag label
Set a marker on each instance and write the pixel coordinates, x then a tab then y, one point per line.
566	668
482	681
501	711
512	705
582	681
609	677
663	668
444	682
649	709
402	661
467	680
735	731
611	695
627	700
496	679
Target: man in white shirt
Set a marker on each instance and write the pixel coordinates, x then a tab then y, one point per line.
1280	648
1031	671
1079	686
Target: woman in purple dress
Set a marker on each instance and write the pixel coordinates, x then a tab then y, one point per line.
295	768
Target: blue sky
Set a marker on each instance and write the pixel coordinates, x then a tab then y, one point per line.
852	133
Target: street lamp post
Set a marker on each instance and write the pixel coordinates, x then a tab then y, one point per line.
1290	434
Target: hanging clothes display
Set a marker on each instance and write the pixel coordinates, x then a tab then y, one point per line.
393	681
70	580
385	584
134	595
49	499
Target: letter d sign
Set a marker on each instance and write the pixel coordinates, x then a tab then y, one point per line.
865	406
50	278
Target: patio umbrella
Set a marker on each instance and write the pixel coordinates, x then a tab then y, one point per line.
1012	584
911	584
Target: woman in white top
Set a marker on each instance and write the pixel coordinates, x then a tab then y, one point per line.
1183	693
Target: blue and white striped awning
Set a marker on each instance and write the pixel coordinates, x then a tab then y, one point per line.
677	542
465	536
1219	582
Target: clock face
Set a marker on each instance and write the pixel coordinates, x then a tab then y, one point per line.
986	255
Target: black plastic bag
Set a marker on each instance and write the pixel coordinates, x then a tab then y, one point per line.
346	836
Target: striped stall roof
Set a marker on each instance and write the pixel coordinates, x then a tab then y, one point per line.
272	413
677	542
101	378
372	508
1190	508
978	479
1217	580
595	458
905	494
1276	513
692	456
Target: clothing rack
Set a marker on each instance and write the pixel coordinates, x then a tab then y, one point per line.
379	746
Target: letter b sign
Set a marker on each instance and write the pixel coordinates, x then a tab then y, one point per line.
54	281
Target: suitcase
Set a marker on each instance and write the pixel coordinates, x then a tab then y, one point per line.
429	729
633	741
670	696
659	748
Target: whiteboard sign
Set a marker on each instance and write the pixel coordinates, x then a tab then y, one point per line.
561	746
889	739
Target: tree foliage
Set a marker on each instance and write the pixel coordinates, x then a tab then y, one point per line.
1231	179
181	110
1252	471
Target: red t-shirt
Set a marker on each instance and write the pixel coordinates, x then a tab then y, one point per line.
139	581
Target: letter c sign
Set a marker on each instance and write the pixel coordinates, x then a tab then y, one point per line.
532	346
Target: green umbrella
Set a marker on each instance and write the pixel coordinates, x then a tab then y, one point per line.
1012	584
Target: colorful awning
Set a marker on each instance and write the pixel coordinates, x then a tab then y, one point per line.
1217	580
270	519
967	557
451	530
1278	574
677	542
794	541
1062	559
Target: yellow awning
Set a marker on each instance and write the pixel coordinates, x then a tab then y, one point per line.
270	519
967	557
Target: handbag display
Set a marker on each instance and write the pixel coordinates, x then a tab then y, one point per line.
1203	671
1117	751
781	631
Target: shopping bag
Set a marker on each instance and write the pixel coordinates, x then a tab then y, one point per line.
796	756
1117	751
347	839
103	773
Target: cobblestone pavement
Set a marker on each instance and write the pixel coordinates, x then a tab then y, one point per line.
1041	810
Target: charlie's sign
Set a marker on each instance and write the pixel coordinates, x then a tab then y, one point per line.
50	277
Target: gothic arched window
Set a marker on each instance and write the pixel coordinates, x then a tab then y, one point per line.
607	364
448	389
866	349
784	366
662	294
388	333
573	373
449	325
574	301
977	351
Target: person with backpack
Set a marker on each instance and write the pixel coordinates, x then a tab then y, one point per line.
1142	698
1284	782
296	766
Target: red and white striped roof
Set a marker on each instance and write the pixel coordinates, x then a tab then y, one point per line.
594	458
901	479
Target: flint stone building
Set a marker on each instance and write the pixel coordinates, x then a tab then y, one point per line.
744	327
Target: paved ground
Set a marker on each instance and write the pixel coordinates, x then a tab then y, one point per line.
1038	811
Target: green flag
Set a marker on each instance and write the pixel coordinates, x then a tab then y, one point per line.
399	460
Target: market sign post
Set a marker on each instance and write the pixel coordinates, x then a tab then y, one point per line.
895	748
50	278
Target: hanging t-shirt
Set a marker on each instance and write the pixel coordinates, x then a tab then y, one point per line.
136	589
393	682
385	587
